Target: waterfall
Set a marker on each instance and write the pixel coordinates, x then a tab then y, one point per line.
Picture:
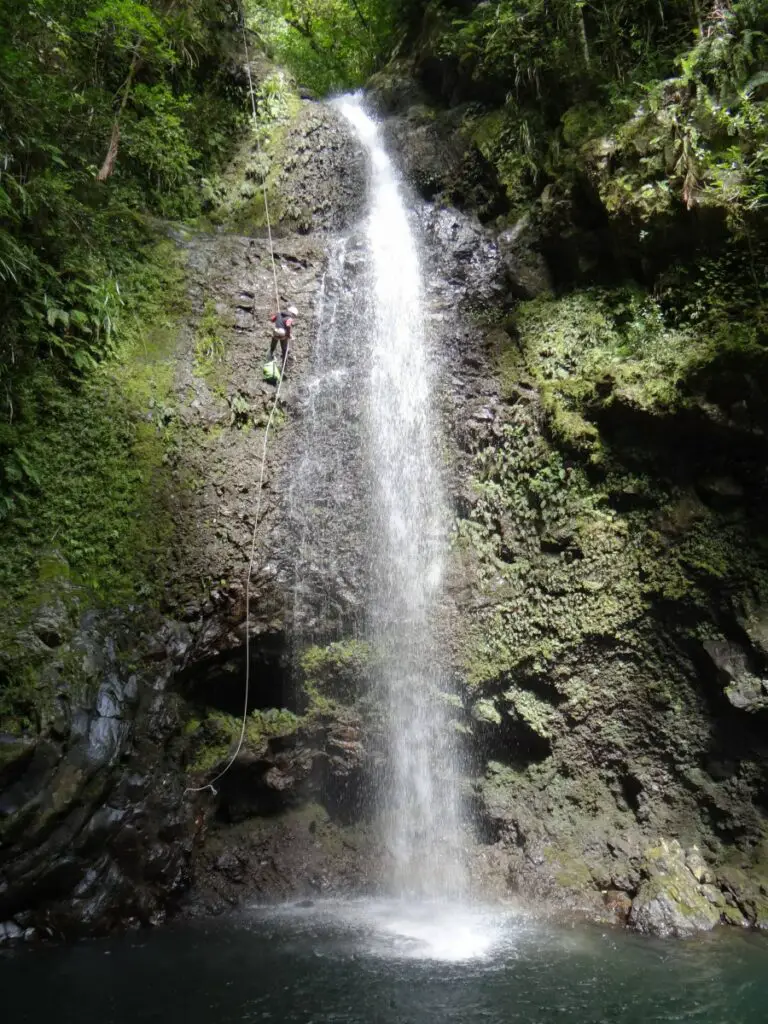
371	523
417	790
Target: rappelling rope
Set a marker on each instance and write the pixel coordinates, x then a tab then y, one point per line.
241	740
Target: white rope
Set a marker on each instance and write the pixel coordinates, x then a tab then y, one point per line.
241	740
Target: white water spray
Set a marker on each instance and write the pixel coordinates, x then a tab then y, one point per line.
418	792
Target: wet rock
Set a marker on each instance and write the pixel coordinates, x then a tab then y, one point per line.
105	740
698	866
108	704
430	151
618	903
66	860
10	932
526	268
322	180
744	690
231	866
12	750
753	619
671	901
394	90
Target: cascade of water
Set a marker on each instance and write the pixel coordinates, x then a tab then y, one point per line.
324	486
370	520
417	792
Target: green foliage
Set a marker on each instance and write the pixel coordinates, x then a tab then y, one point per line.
237	196
104	115
664	103
329	45
596	347
209	343
84	460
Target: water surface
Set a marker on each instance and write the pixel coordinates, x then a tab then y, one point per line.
369	962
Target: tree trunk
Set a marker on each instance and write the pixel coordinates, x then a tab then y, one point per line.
114	143
583	33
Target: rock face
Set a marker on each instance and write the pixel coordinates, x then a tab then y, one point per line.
101	823
94	829
605	610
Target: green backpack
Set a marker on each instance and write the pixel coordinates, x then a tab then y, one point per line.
272	372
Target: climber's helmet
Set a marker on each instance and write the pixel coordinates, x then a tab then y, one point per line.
293	311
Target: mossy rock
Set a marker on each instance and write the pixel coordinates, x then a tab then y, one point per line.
568	869
485	711
337	672
535	712
212	738
671	901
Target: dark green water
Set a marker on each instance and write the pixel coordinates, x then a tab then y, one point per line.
369	963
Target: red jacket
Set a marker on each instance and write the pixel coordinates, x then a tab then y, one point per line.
282	320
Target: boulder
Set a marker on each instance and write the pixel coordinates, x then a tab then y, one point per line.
671	901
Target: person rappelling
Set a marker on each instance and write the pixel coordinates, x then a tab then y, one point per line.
282	322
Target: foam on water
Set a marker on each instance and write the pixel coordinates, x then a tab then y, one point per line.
396	929
451	934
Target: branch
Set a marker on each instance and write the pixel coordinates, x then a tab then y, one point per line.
114	143
583	32
361	17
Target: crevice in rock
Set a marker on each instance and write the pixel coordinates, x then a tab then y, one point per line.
219	681
631	788
513	742
345	797
245	792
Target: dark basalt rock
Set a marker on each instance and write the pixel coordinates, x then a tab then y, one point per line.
94	830
322	173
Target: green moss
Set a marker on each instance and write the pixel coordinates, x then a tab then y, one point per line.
213	738
507	138
238	196
511	367
501	777
98	519
539	604
555	560
595	347
485	710
570	871
210	347
531	709
732	915
335	673
96	530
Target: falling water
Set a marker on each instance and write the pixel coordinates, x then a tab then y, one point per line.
417	791
327	497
